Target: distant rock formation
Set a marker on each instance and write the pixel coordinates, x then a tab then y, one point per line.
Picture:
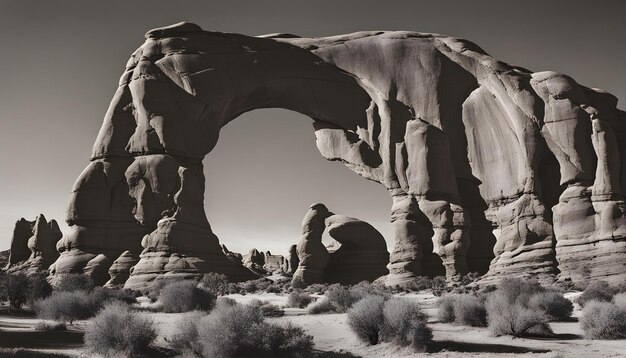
234	257
464	144
292	261
273	263
33	245
359	252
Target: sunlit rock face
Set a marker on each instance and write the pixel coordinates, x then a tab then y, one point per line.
465	145
33	245
358	252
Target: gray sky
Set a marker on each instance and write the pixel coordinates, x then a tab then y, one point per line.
61	61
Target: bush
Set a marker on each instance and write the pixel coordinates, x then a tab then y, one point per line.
603	320
620	301
186	338
14	288
299	299
469	310
256	285
117	330
50	326
401	318
185	296
374	319
267	309
439	285
319	288
506	316
112	294
74	282
366	318
420	283
597	291
68	306
38	288
216	283
553	304
323	306
240	331
445	306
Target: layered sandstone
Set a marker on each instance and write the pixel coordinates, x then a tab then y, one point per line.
464	143
33	245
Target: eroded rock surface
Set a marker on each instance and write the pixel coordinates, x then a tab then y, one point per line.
464	143
33	245
362	253
312	255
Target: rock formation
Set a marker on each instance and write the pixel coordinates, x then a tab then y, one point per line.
362	253
254	260
235	257
33	246
359	252
464	144
292	261
273	263
312	255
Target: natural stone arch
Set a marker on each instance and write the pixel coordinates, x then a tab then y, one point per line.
454	135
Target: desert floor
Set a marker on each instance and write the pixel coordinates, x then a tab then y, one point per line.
331	334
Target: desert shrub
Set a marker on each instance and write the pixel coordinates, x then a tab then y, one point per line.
341	297
420	283
620	300
186	337
366	318
299	299
603	320
240	331
445	306
256	285
74	282
597	291
225	301
322	306
112	294
38	288
267	309
401	318
215	282
506	316
469	278
553	304
118	330
14	289
374	319
469	310
274	288
318	288
185	296
68	306
50	326
422	336
439	285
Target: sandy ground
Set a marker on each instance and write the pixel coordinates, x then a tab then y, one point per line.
331	333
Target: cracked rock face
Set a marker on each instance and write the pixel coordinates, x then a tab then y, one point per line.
465	144
33	246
